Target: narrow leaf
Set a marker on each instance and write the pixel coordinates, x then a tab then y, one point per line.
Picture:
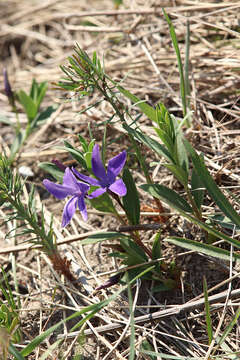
167	195
28	105
131	200
156	248
202	248
103	203
150	143
180	65
211	186
52	169
197	189
102	236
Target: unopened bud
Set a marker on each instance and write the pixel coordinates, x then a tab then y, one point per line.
7	87
59	165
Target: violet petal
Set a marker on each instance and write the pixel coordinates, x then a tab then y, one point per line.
70	181
82	208
97	165
118	187
85	178
116	164
59	191
69	210
97	193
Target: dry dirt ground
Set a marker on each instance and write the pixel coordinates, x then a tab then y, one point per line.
38	36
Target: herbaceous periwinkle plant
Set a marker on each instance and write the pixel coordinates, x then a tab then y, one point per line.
31	106
83	75
30	220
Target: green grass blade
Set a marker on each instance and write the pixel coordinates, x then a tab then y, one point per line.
186	65
180	65
132	324
13	351
48	352
230	327
207	312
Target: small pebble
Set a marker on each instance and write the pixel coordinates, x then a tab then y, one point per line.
25	171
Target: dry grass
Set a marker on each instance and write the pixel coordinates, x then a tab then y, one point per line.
35	38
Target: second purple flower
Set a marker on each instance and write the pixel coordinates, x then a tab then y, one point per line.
105	179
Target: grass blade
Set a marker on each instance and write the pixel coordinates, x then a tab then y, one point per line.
208	314
180	65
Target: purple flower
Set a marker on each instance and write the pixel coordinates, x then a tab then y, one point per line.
70	186
7	87
106	180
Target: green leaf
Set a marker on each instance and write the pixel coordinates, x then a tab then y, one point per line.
131	200
182	156
45	114
178	172
156	248
224	222
76	154
88	159
34	90
102	236
83	143
17	143
197	189
135	255
167	195
212	188
202	248
13	351
52	169
42	88
146	346
103	203
149	142
28	105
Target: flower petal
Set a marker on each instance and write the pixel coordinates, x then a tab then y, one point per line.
97	165
97	193
70	181
82	207
83	187
59	191
85	178
116	164
118	187
69	210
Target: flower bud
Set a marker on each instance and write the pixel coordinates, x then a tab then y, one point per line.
7	87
